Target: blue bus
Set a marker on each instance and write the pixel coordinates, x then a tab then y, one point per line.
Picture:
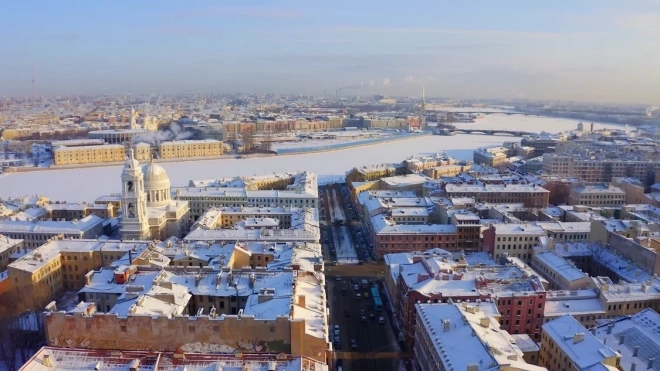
378	304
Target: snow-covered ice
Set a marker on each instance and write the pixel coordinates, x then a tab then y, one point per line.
86	184
346	253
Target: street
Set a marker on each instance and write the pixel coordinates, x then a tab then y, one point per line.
377	348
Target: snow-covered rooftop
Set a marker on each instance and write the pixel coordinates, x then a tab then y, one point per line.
62	359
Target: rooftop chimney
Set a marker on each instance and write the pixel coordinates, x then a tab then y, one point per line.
301	301
446	324
578	337
635	350
650	364
484	322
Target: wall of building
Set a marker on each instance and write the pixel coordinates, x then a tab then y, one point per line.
89	154
181	334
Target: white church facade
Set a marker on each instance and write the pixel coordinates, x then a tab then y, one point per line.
148	211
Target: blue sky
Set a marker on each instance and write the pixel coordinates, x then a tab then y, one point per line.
587	50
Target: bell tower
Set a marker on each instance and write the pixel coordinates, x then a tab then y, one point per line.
134	221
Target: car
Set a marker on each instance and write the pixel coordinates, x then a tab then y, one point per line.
336	330
338	278
358	296
381	320
337	345
363	319
343	292
354	344
356	287
334	263
371	316
362	312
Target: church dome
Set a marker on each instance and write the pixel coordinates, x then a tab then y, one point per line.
156	185
155	177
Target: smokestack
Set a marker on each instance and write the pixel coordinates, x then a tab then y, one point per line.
635	350
650	365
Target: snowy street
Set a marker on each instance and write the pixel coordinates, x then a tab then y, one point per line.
346	253
337	211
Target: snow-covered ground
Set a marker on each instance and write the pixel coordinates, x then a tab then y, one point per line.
86	184
346	253
337	211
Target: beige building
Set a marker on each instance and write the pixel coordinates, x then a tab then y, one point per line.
593	170
74	211
446	170
190	148
567	345
491	156
9	247
76	359
61	264
634	189
248	311
89	154
597	195
142	151
288	189
37	233
375	172
560	273
530	195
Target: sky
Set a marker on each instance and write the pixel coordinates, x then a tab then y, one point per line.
587	50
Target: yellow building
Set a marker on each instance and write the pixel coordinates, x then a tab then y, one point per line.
142	151
190	148
89	154
567	345
8	247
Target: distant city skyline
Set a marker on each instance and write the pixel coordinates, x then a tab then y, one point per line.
592	50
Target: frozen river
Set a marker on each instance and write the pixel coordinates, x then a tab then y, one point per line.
88	183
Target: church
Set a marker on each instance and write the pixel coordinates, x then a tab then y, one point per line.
148	211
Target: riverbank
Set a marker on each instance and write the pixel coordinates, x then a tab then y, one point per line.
289	151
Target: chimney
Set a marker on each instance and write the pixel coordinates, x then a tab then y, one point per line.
622	338
609	327
446	324
650	364
47	361
635	350
135	365
484	322
578	337
301	301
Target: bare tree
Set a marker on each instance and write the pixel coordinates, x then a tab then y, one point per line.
248	138
267	141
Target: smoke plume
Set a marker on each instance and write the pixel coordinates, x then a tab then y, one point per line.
174	132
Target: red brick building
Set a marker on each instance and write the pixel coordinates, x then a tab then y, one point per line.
520	297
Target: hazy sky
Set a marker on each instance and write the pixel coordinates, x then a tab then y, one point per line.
590	50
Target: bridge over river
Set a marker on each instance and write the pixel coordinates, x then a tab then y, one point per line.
515	133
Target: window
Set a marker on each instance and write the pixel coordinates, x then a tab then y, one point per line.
122	328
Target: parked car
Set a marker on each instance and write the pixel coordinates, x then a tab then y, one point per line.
353	344
381	320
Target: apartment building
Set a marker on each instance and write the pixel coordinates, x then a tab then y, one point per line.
627	298
515	240
77	359
39	232
61	264
594	170
561	273
75	210
105	153
390	237
190	148
10	248
491	156
625	343
518	294
541	144
530	195
634	189
472	332
567	345
600	195
375	172
273	312
289	189
584	305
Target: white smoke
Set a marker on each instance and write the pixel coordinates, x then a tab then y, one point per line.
174	132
